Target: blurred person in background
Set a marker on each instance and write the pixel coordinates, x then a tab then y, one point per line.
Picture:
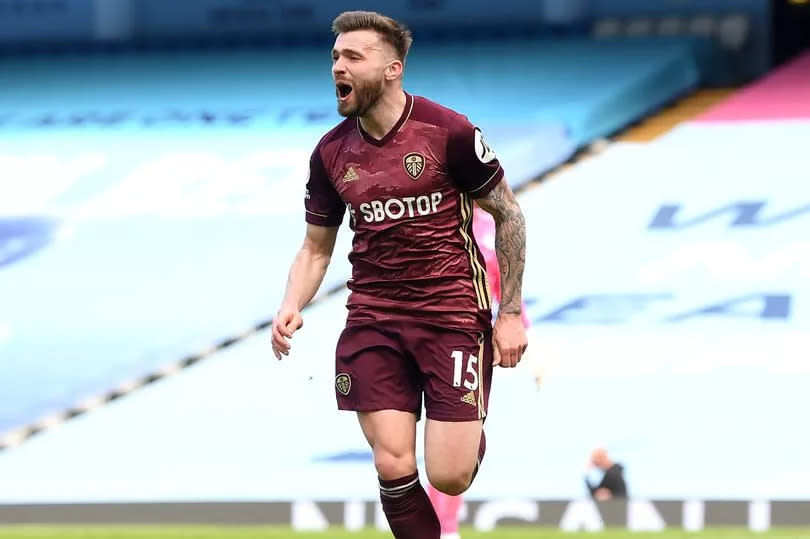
448	507
612	486
409	172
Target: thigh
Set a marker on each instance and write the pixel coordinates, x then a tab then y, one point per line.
373	373
392	431
455	368
392	437
451	447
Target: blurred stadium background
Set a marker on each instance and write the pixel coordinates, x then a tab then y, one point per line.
153	157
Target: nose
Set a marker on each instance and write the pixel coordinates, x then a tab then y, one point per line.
338	68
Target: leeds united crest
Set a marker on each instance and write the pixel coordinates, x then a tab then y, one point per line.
414	164
343	383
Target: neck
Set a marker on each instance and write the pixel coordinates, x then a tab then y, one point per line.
382	117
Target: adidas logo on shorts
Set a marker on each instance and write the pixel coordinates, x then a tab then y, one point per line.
469	398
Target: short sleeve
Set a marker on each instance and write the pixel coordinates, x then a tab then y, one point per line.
473	165
321	201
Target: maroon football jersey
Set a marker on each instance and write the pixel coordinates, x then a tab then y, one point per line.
410	198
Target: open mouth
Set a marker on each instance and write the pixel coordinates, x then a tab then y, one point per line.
343	90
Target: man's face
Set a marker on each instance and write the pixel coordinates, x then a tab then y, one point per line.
359	60
599	458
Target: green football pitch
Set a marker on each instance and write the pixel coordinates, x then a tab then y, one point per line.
211	532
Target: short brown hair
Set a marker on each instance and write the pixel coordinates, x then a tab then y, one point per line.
392	32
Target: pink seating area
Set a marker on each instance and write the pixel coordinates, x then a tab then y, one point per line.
785	94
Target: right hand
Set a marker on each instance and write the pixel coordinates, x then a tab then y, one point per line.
286	322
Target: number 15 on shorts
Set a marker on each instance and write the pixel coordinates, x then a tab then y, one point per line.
469	378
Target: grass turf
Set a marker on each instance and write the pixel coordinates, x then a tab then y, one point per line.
250	532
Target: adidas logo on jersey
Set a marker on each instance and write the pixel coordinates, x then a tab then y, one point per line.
350	175
469	398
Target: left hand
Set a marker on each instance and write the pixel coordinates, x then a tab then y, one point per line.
508	340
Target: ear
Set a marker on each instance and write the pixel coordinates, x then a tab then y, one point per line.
394	70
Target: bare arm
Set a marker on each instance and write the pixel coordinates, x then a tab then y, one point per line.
306	275
510	243
508	335
309	266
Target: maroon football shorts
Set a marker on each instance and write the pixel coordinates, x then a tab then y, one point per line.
388	365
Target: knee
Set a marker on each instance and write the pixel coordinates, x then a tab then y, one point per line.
393	465
451	482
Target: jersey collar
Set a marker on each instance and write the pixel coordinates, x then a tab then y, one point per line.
406	113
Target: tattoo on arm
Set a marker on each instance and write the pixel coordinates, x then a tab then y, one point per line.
510	243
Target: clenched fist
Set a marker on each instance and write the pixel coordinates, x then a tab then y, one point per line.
508	340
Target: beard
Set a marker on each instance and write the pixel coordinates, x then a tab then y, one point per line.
364	96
